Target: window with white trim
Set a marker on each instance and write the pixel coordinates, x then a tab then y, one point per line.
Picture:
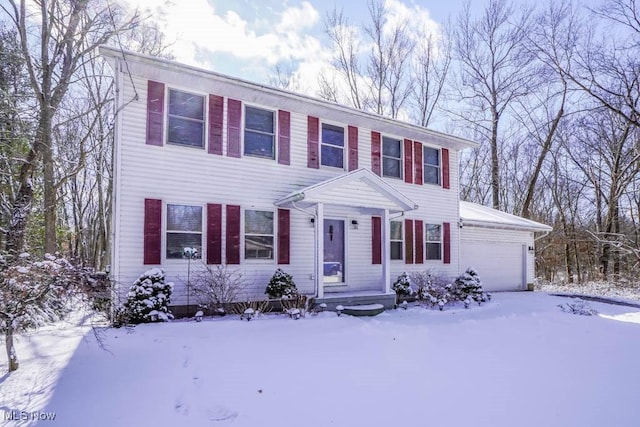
431	165
185	119
332	146
433	241
258	234
391	157
259	132
397	244
184	230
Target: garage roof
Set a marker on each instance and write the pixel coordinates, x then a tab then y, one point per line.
483	216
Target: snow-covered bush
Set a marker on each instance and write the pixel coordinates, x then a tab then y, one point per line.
148	298
402	285
296	307
216	287
468	285
578	306
281	285
428	283
33	292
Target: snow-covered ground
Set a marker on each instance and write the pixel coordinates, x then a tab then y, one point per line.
624	290
516	361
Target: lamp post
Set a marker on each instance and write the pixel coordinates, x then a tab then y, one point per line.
189	253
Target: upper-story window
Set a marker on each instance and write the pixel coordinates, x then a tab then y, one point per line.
391	157
185	119
332	149
431	165
184	230
259	131
258	234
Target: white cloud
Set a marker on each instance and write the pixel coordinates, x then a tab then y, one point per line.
199	27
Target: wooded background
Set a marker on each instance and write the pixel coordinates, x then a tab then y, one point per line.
550	90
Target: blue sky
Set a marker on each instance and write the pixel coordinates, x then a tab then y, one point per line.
247	38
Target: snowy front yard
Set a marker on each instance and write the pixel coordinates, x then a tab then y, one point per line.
517	361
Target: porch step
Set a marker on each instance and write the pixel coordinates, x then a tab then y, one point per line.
355	299
363	310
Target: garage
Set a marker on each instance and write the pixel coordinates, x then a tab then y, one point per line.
500	246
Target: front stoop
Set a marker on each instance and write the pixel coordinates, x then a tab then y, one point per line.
388	301
363	310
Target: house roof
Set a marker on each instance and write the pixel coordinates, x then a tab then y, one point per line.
360	188
148	66
483	216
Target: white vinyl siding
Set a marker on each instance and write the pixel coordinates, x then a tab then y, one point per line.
222	180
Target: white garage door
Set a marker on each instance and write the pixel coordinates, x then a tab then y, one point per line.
501	266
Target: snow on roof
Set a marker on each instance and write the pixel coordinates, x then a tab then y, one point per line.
475	214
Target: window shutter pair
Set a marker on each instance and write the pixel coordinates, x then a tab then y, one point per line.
155	123
233	234
313	144
153	233
414	242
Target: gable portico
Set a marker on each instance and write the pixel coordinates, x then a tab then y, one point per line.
360	191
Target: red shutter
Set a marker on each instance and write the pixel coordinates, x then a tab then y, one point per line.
155	112
352	133
376	240
419	239
408	161
313	135
417	162
216	107
445	168
284	237
233	234
446	243
408	241
284	137
152	231
375	153
214	234
234	116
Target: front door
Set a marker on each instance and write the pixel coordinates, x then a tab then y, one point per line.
334	269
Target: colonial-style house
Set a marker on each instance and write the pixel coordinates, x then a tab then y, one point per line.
257	178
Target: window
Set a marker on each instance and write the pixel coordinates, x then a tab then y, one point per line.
434	239
332	149
258	234
431	165
184	230
396	240
259	132
185	119
391	157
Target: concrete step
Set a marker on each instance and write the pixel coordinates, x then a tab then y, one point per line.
333	300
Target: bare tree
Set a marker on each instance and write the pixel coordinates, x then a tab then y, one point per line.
430	74
345	43
68	32
494	72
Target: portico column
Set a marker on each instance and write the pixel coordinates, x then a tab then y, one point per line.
320	249
386	251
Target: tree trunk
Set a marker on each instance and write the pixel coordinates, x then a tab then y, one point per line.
495	168
12	357
50	199
14	236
